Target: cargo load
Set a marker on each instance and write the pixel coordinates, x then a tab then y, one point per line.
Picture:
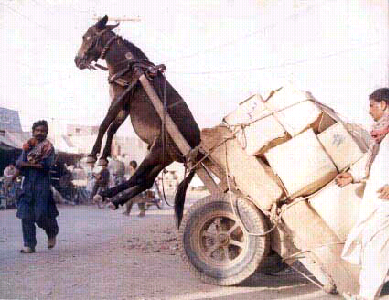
248	172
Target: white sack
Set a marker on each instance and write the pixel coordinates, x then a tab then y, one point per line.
302	164
339	207
340	146
255	127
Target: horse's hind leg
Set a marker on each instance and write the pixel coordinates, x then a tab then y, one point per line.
153	159
120	118
141	186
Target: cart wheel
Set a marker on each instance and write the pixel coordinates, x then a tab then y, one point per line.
215	245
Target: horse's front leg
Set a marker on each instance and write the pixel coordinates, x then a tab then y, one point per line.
120	118
113	111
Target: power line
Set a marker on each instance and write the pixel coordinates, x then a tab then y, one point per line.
24	16
280	65
261	30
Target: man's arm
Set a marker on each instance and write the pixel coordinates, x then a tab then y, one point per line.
48	162
22	162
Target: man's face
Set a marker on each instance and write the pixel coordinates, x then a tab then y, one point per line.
377	109
40	133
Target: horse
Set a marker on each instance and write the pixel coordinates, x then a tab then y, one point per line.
125	63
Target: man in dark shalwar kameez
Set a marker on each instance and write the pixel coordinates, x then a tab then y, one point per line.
36	204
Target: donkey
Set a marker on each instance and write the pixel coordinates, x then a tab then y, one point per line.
123	59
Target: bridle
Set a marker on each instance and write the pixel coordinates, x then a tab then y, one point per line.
108	44
97	40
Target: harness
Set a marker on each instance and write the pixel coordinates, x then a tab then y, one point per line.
139	67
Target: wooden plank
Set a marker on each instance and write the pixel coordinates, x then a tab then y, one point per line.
171	127
176	135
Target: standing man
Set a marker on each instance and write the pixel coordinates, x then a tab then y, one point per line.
368	241
10	173
36	204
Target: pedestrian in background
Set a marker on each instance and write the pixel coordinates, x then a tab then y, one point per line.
101	182
128	205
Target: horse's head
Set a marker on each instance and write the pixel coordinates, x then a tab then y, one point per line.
93	42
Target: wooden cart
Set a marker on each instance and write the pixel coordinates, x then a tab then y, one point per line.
226	237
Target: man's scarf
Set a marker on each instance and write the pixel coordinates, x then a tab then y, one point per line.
379	130
39	151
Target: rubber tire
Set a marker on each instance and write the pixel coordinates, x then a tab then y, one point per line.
255	252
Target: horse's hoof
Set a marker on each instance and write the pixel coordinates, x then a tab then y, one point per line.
91	159
97	199
102	162
111	206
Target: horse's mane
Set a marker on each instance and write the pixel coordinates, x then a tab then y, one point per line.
135	50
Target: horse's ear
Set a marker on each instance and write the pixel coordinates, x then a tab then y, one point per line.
110	27
102	22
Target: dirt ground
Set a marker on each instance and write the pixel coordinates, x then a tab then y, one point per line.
102	254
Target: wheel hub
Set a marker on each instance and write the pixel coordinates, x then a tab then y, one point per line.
223	239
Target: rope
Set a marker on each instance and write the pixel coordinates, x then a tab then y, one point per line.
309	279
276	219
310	250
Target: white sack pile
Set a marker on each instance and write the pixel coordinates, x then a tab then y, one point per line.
304	146
261	125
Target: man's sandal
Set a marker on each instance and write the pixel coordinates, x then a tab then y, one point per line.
27	250
51	242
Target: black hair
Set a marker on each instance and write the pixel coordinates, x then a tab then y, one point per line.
133	164
380	95
40	123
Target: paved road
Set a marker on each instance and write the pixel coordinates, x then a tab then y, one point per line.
102	254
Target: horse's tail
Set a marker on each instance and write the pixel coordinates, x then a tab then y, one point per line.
179	201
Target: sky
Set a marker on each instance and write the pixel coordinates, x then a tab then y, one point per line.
217	53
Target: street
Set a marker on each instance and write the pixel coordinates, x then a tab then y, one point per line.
101	254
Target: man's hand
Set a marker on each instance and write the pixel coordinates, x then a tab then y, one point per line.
343	179
384	192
